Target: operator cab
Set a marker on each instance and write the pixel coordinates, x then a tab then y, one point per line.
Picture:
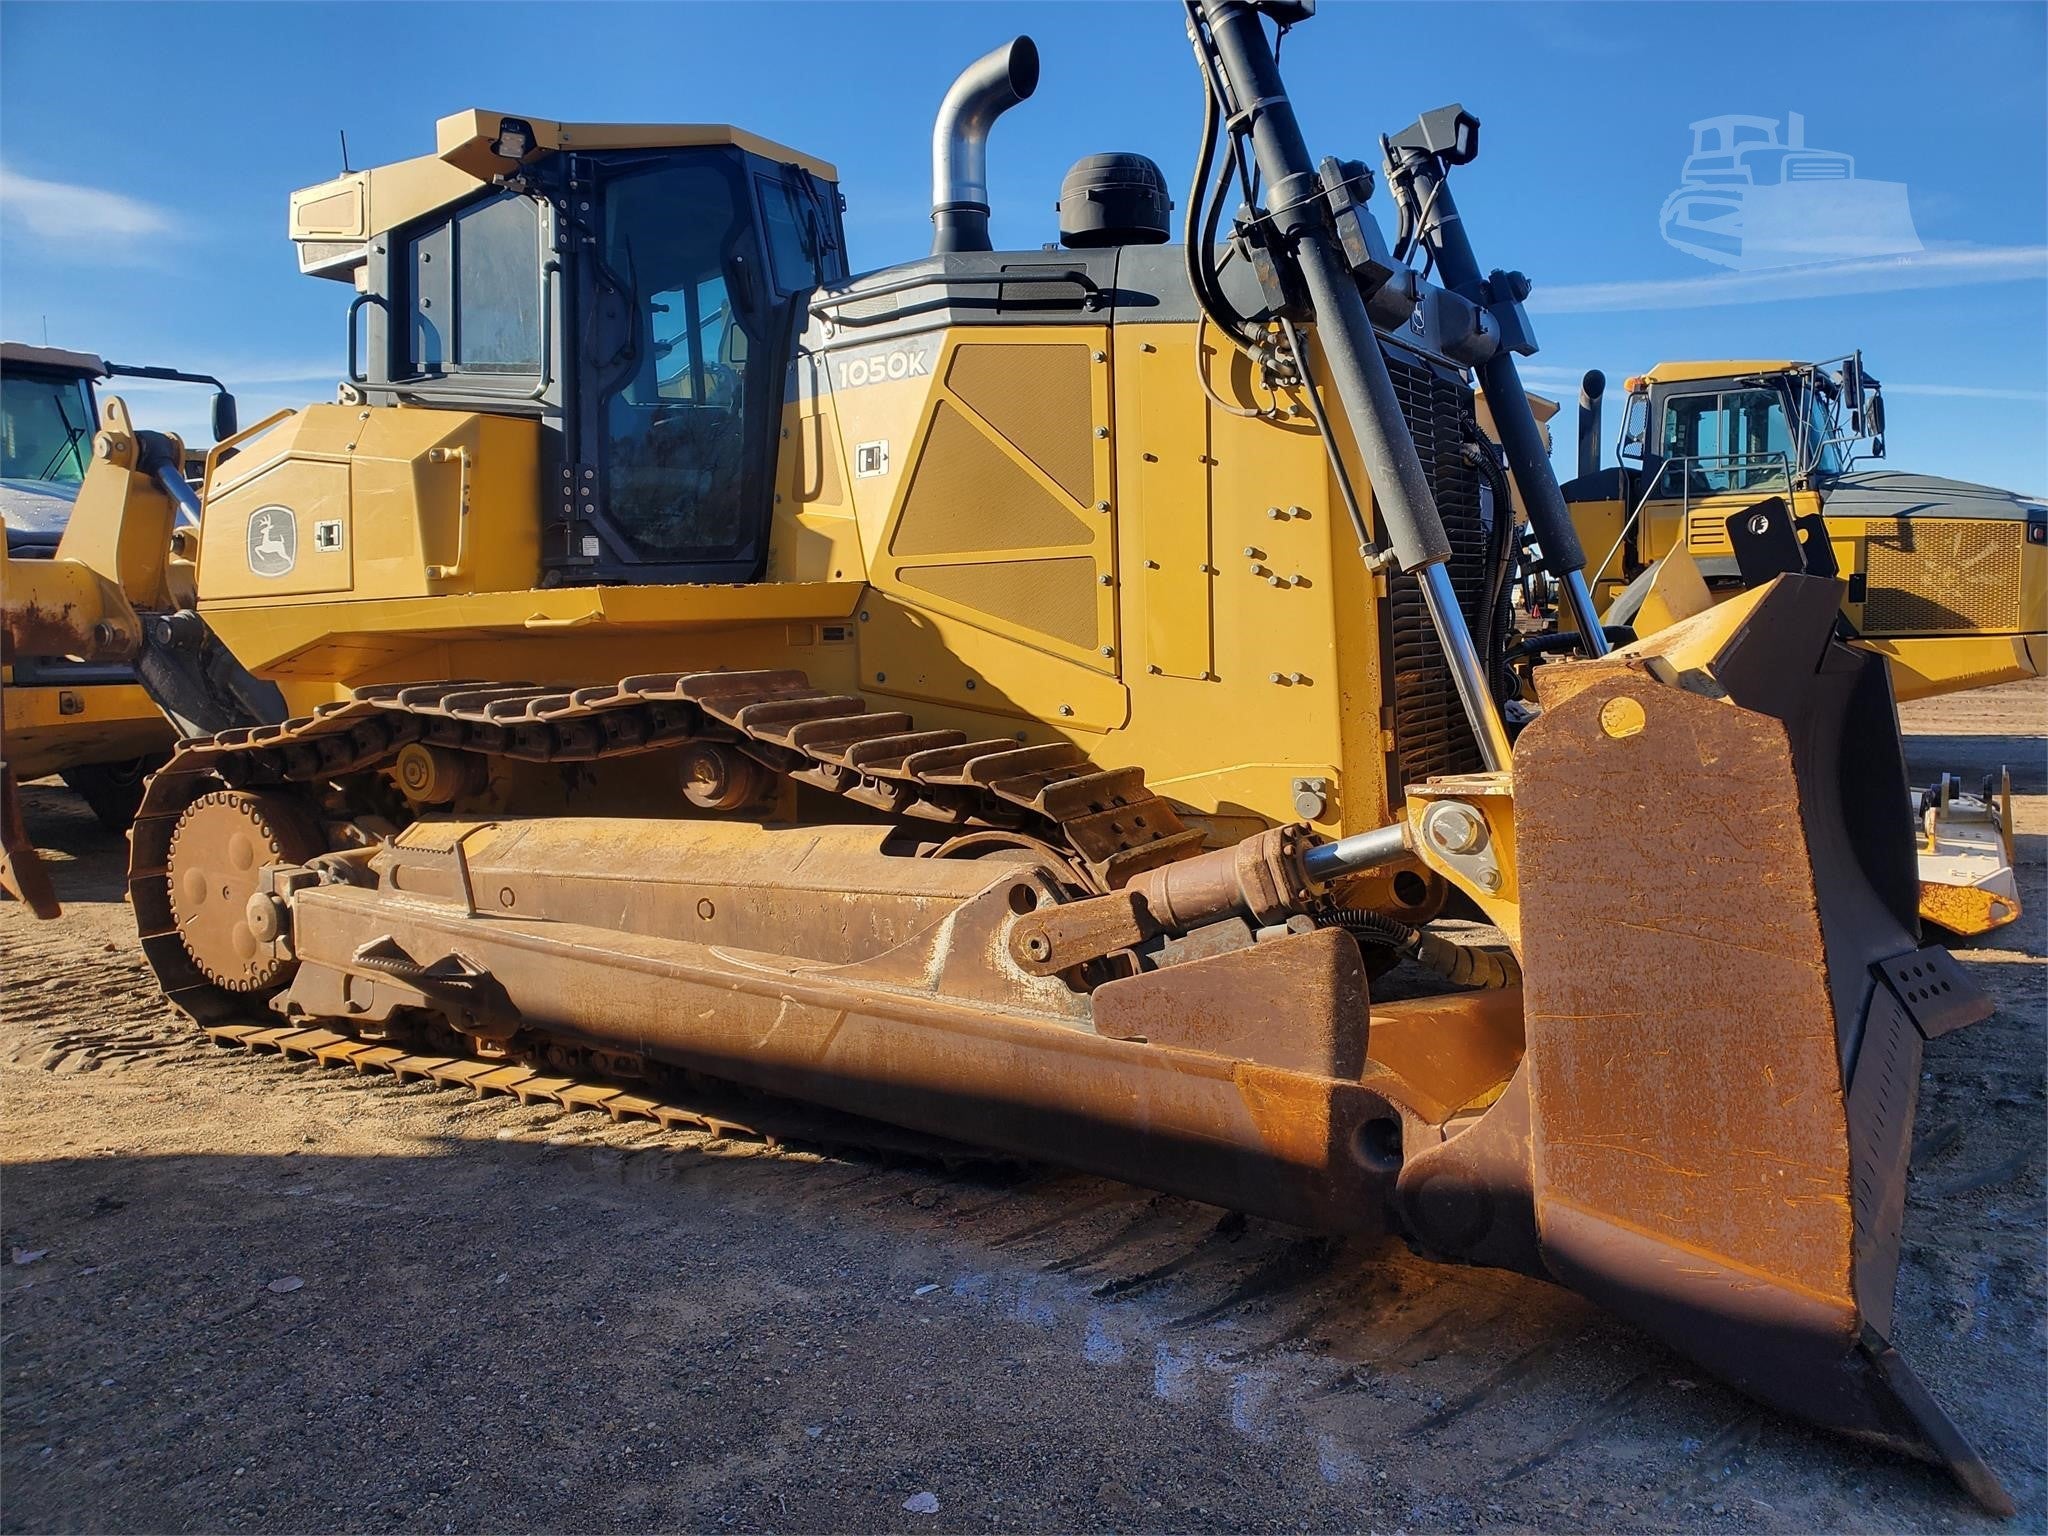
1759	427
639	290
46	425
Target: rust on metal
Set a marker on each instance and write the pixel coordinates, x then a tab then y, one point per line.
22	874
1297	1003
1721	1091
60	607
1967	911
1695	1114
222	846
874	1038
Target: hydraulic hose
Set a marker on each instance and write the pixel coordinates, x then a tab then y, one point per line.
1495	613
1204	213
1463	965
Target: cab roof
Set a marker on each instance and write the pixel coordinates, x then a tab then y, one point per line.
332	221
1725	368
19	354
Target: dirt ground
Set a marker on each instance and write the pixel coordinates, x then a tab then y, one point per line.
245	1294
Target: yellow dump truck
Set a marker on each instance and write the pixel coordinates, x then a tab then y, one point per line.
1946	579
91	722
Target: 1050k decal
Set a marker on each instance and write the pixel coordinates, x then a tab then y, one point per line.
884	365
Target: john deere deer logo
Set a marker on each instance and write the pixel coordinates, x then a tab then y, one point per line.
273	541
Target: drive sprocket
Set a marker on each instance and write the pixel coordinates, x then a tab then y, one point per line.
218	853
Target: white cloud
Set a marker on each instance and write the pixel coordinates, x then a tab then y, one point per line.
1967	392
62	210
1549	373
1876	274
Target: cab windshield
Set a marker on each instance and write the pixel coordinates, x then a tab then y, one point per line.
1729	440
703	259
45	428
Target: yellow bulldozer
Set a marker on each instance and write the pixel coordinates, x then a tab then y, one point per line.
1044	699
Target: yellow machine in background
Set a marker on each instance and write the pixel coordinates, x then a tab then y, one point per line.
1947	580
93	723
1032	698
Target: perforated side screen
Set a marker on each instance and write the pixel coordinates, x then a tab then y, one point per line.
965	495
1054	597
1943	575
1038	398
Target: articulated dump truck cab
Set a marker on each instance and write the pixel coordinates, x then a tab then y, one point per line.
1947	580
954	695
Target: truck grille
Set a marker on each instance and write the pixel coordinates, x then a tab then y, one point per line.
1431	734
1943	576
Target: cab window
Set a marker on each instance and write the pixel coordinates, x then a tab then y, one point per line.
46	428
1733	440
1635	430
793	235
474	291
1825	451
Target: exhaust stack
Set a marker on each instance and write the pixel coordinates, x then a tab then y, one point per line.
985	90
1591	388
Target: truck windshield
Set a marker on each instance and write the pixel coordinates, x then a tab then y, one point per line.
1731	440
46	427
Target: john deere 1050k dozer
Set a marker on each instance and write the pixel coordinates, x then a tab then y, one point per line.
1031	699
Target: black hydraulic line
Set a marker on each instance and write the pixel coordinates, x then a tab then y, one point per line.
1205	204
1464	965
1500	550
1298	345
1561	640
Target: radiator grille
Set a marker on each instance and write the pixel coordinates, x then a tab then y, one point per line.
1431	734
1943	575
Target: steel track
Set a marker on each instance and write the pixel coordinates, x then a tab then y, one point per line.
769	1121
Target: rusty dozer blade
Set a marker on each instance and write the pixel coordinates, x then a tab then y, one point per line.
1725	1003
22	874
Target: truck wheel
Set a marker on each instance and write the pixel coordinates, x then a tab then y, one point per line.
113	790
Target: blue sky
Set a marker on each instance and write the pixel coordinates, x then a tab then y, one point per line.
147	152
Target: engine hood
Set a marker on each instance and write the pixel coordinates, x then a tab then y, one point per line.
35	512
1884	493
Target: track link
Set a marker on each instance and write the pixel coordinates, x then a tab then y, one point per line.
772	1123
